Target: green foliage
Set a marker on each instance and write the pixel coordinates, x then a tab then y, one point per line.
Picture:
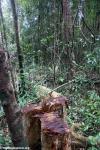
92	59
94	140
2	139
90	112
47	40
5	140
80	83
85	109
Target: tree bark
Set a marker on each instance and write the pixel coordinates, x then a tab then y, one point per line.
67	34
3	32
67	20
19	52
5	45
9	104
97	20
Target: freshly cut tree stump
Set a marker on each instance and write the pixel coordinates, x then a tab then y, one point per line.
55	104
32	125
34	119
55	134
46	95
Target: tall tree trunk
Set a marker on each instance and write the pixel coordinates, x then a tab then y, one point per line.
3	32
67	34
9	104
5	45
97	20
67	21
19	52
54	44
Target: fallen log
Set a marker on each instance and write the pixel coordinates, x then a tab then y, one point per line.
78	140
44	92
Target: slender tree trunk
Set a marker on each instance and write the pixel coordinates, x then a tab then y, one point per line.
67	21
9	104
3	32
54	44
1	38
67	34
97	20
19	52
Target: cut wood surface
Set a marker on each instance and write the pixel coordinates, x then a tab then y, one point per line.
55	132
45	119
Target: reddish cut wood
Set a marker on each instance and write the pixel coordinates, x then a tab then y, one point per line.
45	119
52	123
55	133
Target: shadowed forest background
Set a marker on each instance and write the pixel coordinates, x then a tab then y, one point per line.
55	44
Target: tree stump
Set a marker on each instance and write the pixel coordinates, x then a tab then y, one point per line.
55	134
32	125
38	118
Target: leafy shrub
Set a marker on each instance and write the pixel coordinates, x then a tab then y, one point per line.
92	59
86	111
